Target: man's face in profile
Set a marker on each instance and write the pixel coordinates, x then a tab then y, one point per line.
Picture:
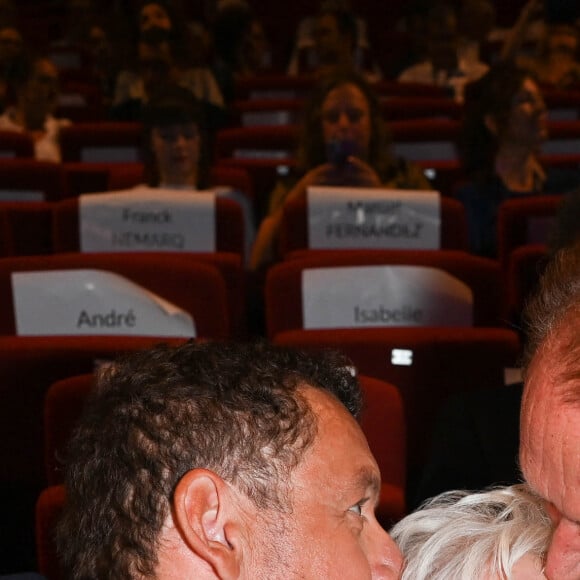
549	452
330	531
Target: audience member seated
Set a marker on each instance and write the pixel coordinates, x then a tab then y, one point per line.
557	63
35	85
91	28
335	47
240	46
172	138
161	57
476	21
445	64
217	460
545	40
303	53
504	128
175	149
343	143
496	534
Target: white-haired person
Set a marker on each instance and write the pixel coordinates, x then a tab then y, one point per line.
501	533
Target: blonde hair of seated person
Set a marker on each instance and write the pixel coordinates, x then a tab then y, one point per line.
459	535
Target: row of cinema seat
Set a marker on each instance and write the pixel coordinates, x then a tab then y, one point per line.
37	228
275	99
434	360
426	364
266	152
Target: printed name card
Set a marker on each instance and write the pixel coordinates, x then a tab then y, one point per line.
110	154
344	217
369	296
92	302
147	220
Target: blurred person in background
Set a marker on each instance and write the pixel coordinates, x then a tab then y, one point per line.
241	48
161	56
504	127
343	142
335	40
444	63
35	89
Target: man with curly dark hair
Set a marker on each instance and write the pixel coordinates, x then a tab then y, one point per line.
224	460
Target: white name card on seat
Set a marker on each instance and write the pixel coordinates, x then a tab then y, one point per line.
369	296
110	154
21	195
147	220
347	217
92	302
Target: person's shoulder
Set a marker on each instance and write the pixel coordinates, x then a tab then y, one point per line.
59	122
419	72
474	69
6	122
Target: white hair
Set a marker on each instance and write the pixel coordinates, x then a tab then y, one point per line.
460	535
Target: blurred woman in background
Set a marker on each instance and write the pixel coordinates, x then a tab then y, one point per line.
344	142
504	128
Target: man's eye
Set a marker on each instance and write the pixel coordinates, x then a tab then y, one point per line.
357	508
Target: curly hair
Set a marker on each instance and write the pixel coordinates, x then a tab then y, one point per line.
459	534
312	148
492	96
232	408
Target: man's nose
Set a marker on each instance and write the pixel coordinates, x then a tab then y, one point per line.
563	560
386	558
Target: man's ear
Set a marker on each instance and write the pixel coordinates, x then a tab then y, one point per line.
207	522
491	124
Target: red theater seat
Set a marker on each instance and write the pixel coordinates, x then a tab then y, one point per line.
229	226
283	289
63	405
103	142
15	144
524	221
30	180
48	511
28	365
196	287
426	139
524	268
82	177
27	227
426	364
383	423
